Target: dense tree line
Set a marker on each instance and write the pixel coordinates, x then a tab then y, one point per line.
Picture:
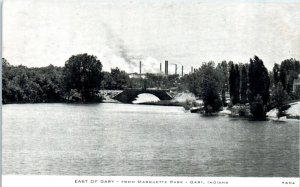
289	71
31	85
282	79
78	80
82	77
249	84
161	81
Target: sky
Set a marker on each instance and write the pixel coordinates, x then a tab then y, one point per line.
123	32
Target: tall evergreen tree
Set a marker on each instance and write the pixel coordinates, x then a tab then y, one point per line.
283	76
276	74
234	82
259	83
232	77
237	85
223	68
244	85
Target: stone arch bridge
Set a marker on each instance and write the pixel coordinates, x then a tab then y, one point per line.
128	95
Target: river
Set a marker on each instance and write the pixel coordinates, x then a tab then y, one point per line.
142	140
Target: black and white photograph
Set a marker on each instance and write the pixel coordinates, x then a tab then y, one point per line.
151	88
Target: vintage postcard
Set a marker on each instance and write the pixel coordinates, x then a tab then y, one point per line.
148	92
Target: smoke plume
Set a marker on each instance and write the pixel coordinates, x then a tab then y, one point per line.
117	54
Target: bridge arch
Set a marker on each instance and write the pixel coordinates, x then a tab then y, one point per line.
145	97
129	95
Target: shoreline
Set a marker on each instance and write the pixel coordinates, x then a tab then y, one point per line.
223	112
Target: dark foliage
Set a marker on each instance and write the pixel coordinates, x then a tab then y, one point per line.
210	86
276	74
244	85
289	71
83	73
259	83
237	85
258	108
82	77
31	85
115	80
279	98
162	81
223	68
231	80
234	82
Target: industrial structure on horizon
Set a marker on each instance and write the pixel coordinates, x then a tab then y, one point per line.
166	70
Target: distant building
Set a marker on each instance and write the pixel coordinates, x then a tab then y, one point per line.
136	75
143	76
296	84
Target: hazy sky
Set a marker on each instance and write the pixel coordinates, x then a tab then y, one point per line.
120	33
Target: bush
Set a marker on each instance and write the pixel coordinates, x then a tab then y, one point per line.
240	110
188	104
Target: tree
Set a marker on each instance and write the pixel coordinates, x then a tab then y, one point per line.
289	70
296	93
232	78
210	85
31	85
5	81
156	80
234	82
193	83
223	68
119	79
279	98
116	79
258	108
283	76
237	84
244	85
259	83
105	84
83	72
276	74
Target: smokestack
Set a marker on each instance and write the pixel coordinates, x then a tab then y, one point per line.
192	69
182	71
175	69
160	67
140	67
166	67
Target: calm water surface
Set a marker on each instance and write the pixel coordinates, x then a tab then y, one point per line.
119	139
